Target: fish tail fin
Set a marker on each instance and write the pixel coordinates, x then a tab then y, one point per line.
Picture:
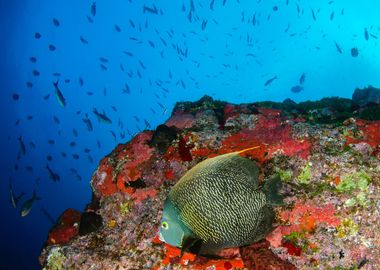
56	83
36	196
272	189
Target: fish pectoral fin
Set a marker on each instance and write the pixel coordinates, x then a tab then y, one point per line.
271	189
191	244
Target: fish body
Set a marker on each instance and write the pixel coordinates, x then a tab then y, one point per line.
83	40
93	9
14	199
354	52
58	94
339	49
296	89
152	10
52	175
313	14
212	4
28	204
22	146
302	78
102	117
218	204
268	82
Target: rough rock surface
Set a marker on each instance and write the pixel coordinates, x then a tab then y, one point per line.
366	96
328	159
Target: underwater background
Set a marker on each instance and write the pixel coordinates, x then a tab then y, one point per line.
79	77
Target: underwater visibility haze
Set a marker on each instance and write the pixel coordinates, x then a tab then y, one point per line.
79	77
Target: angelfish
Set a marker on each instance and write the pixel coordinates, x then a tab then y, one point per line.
219	204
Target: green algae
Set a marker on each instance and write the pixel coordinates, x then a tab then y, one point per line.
305	176
295	237
347	228
285	175
300	239
358	180
319	188
55	260
125	207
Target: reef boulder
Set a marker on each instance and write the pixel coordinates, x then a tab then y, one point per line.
366	96
327	158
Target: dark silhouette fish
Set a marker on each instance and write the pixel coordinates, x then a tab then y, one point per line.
103	67
58	94
22	146
354	52
83	40
332	16
56	22
313	15
102	117
339	49
152	10
204	24
296	89
268	82
88	123
93	9
366	35
13	198
302	78
212	4
52	47
52	175
90	20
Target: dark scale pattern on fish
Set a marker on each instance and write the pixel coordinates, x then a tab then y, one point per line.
221	202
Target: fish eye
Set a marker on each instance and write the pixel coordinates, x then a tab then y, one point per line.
164	225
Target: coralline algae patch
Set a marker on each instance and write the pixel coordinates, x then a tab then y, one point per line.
330	174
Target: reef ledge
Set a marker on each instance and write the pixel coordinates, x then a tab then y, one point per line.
327	153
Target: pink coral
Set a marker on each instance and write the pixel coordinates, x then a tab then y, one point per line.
132	156
181	121
141	194
304	217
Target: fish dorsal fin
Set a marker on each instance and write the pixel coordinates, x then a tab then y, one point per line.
246	149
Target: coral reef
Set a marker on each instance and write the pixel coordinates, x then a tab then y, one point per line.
328	159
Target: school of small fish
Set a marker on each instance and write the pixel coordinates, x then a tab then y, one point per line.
167	46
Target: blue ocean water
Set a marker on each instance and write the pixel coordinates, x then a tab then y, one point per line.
131	61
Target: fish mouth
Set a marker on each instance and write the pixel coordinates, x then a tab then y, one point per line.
160	237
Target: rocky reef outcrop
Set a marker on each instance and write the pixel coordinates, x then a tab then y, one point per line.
327	153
